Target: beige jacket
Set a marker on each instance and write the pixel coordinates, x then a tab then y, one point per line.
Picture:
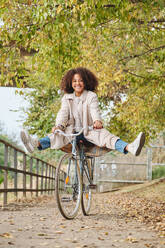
89	109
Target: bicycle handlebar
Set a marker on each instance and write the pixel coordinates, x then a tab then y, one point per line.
72	134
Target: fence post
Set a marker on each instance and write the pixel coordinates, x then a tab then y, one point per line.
149	164
5	175
49	180
54	175
46	174
52	179
31	177
37	170
15	173
24	175
42	173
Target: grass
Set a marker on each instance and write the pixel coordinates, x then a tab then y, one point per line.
158	172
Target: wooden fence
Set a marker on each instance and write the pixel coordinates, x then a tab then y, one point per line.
23	173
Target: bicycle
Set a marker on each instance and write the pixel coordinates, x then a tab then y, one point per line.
74	180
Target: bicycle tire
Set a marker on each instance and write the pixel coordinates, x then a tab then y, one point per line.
68	187
86	198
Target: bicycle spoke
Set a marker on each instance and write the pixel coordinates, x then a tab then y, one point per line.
68	187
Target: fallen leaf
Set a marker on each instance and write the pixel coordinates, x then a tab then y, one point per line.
6	235
42	219
63	226
131	239
74	241
11	243
42	234
100	238
59	232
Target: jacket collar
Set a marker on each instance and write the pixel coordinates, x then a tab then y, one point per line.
82	97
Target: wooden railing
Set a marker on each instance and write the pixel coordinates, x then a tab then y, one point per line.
23	174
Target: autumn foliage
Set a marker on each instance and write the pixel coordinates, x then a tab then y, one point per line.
123	42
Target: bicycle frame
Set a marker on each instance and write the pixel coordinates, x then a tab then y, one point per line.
78	181
83	159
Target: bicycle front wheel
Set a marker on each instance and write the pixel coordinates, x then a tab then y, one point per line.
68	186
86	198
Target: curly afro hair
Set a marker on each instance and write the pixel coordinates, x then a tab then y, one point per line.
89	79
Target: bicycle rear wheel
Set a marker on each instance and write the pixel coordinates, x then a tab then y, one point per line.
86	198
68	186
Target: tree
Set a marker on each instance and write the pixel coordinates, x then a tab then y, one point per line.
123	42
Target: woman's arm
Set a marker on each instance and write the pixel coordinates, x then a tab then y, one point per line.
95	112
62	115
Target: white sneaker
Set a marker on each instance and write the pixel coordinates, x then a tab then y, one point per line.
136	146
29	142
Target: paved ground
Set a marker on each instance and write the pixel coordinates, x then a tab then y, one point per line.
107	226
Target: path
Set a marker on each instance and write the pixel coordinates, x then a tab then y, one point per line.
42	226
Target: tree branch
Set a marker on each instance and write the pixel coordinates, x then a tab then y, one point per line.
127	71
139	55
109	6
161	20
23	51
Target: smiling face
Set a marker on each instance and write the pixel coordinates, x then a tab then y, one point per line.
78	84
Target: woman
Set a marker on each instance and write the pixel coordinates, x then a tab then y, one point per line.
80	108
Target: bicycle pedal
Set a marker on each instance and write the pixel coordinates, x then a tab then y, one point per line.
92	186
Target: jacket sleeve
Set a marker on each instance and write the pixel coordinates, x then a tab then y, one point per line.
94	108
63	114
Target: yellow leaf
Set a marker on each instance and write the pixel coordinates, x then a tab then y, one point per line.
6	235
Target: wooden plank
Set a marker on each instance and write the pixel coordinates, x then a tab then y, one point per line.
122	163
158	164
22	190
21	171
121	181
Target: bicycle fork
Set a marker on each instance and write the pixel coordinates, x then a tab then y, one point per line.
72	175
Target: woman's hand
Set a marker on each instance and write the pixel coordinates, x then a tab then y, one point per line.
54	129
61	127
98	125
